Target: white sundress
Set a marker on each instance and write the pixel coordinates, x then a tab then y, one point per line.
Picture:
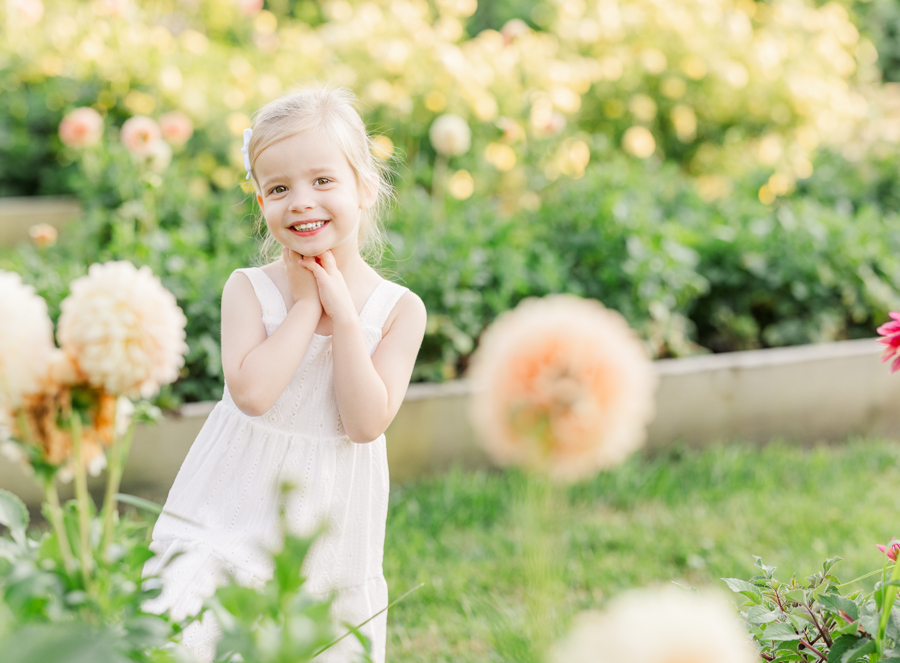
228	483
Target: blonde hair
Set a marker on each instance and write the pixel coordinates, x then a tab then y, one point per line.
332	110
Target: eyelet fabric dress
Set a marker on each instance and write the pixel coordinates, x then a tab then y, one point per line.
221	515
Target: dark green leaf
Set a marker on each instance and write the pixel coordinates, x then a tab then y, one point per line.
836	602
847	649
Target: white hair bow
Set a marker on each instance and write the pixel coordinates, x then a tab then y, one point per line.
246	150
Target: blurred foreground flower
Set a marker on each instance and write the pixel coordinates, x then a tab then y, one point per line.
890	549
658	626
450	135
123	329
891	333
43	234
564	387
176	128
26	338
140	134
82	127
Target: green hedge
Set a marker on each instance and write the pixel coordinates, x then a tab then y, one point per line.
689	276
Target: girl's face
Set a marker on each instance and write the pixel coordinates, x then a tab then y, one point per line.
309	194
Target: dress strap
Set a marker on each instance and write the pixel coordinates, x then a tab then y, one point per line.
381	302
268	294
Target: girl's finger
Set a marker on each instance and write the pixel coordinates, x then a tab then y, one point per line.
311	264
328	262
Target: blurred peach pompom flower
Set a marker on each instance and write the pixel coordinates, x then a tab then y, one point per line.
43	235
176	128
891	332
123	329
140	134
26	337
82	127
658	626
564	388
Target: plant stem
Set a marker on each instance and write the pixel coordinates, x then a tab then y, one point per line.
82	501
118	453
56	520
815	651
850	582
890	593
818	626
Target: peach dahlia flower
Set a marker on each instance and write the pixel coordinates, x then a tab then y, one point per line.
82	127
26	340
563	387
123	329
140	135
176	128
668	625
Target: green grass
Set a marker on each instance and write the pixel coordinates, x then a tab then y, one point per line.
686	516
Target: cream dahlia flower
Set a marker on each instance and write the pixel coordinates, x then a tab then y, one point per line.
450	135
563	387
123	329
26	339
658	626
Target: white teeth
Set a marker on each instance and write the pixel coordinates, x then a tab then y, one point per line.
308	226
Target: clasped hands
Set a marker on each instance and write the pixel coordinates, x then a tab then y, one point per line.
319	277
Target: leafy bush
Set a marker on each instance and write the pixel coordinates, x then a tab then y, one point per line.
812	620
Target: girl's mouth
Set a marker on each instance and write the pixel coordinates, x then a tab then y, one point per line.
308	229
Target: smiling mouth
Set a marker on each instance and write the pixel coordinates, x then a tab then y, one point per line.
303	228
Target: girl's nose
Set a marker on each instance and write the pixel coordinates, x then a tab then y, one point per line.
301	200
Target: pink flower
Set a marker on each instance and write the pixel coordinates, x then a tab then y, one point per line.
891	333
30	11
892	548
250	7
140	135
82	127
176	128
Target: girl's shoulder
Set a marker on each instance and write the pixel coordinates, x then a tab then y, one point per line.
408	311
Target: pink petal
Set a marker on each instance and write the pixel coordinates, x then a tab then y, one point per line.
896	365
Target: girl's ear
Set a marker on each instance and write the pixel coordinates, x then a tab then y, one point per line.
368	195
259	200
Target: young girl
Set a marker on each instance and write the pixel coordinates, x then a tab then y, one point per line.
317	352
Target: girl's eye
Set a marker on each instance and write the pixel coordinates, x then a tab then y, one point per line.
278	189
322	180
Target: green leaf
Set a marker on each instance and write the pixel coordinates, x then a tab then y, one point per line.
836	602
143	631
796	595
743	587
780	632
760	614
13	514
62	643
847	649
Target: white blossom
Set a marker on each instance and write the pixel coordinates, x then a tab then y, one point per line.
26	339
658	626
123	329
450	135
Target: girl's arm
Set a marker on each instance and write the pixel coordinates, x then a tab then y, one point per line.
258	369
369	390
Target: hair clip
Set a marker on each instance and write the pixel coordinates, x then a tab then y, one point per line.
246	150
